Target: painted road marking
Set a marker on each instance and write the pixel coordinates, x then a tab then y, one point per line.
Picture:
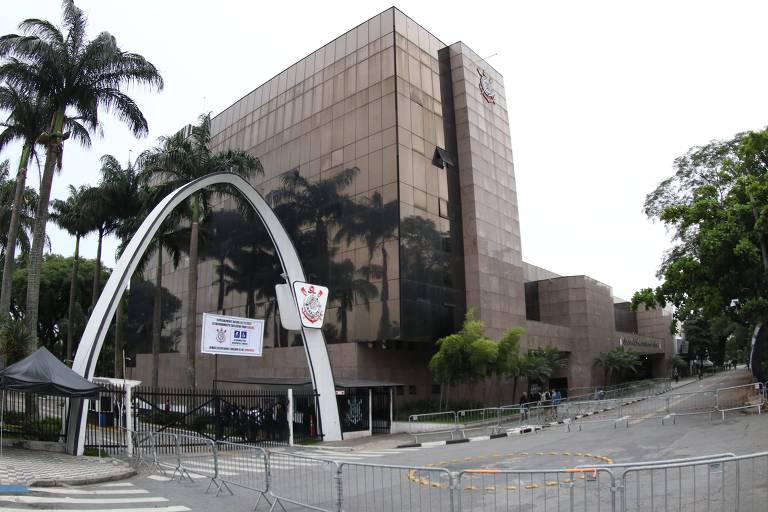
176	508
118	484
29	500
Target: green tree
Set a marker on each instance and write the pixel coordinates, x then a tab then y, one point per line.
716	207
71	215
73	73
55	282
26	122
465	357
508	357
177	161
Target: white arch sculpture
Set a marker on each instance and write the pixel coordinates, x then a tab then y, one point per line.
98	324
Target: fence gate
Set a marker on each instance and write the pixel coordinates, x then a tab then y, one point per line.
381	410
106	423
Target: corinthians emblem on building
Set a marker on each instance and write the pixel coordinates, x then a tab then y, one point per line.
312	308
221	335
486	86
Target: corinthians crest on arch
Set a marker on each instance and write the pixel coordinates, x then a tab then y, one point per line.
311	300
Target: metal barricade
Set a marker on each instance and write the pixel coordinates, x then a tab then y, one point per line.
308	482
486	419
244	466
198	455
573	490
380	488
740	397
432	422
167	454
725	484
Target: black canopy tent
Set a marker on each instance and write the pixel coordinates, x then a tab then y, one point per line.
43	374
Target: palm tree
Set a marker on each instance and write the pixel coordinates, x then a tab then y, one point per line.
120	201
535	368
168	239
70	72
346	289
375	222
103	222
25	218
26	121
617	362
177	161
72	216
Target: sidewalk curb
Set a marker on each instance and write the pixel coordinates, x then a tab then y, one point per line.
64	482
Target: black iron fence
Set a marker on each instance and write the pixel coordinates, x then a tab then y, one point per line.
34	417
241	416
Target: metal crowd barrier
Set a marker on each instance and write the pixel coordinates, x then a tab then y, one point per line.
249	468
727	483
493	418
723	482
380	488
309	482
575	489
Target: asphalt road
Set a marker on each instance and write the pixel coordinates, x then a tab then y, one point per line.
369	487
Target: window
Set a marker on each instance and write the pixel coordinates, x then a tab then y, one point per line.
444	210
442	158
435	389
411	389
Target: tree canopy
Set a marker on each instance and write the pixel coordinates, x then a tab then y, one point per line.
716	208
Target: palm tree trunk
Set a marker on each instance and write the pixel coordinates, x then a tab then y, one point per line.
119	327
52	157
13	233
191	334
97	272
157	315
72	299
384	323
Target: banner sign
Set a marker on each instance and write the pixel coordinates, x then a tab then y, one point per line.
232	335
311	299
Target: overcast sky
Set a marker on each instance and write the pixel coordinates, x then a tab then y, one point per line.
602	97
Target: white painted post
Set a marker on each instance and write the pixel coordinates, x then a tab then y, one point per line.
370	411
290	417
127	405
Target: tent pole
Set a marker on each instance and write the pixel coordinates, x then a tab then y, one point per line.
2	423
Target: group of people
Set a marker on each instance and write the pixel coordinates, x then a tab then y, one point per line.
550	398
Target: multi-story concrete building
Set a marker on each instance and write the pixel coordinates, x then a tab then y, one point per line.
387	154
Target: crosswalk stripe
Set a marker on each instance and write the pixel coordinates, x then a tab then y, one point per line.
176	508
29	500
65	490
118	484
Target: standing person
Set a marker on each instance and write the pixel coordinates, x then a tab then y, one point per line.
556	399
524	406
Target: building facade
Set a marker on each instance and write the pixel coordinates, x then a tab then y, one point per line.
387	155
